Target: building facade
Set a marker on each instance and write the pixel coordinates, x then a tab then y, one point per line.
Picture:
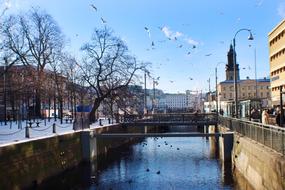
189	101
247	89
276	43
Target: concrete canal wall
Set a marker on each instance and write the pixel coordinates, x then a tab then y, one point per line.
26	164
262	167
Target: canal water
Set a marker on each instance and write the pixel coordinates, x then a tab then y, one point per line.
152	163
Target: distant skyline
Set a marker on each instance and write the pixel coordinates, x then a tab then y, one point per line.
184	40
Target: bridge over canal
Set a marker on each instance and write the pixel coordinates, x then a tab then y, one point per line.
162	119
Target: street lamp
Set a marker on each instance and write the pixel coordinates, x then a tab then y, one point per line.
216	70
235	69
155	82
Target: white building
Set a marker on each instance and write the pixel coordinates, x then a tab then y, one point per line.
181	101
175	101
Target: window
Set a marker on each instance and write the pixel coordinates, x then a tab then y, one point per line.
248	87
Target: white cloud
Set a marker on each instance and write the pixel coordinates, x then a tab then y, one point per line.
191	41
174	35
281	10
170	34
166	31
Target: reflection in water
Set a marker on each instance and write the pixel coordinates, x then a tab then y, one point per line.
161	163
153	163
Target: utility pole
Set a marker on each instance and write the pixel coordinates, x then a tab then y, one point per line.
209	85
216	91
153	103
255	73
145	109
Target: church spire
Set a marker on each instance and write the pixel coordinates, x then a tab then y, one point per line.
230	65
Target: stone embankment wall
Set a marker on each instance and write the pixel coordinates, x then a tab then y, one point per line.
262	167
26	164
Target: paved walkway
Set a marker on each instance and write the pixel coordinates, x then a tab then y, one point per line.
15	132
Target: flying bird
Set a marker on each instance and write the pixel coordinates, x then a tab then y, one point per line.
103	21
194	47
93	6
171	81
180	46
152	43
188	53
147	30
190	78
208	54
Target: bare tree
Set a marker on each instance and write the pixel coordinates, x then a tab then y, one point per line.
107	66
33	39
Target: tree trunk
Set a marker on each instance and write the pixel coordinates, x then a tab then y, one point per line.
61	109
92	116
38	104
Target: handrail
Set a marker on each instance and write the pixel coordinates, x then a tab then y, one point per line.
270	136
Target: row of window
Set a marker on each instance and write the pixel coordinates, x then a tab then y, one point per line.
277	71
275	39
261	95
248	87
277	88
278	54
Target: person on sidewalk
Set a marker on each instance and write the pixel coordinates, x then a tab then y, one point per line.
265	117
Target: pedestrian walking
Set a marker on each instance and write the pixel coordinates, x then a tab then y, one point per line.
278	119
265	117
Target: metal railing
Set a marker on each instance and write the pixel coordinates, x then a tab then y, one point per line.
268	135
173	117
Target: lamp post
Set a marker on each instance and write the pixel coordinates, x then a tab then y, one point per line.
155	82
216	70
235	69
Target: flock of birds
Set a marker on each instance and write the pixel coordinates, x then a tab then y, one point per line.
153	44
174	38
165	143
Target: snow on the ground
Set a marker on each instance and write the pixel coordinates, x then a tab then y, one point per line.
15	131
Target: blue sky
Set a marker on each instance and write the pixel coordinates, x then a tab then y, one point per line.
210	25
